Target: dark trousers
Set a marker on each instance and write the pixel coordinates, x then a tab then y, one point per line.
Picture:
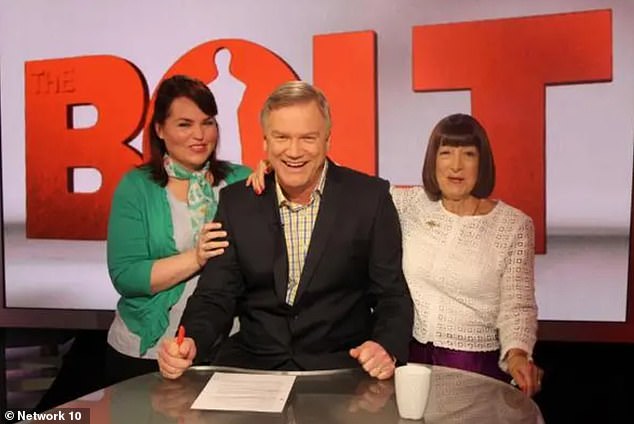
121	367
81	371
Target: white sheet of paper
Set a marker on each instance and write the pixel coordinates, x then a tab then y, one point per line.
245	392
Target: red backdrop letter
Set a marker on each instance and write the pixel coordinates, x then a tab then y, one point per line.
344	67
53	147
507	63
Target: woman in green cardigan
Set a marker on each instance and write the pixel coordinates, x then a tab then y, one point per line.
160	232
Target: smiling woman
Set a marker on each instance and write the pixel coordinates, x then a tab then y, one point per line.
459	166
468	261
160	232
189	134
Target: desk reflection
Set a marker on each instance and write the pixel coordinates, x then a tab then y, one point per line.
345	396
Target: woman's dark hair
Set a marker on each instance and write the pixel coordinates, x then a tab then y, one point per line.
459	130
170	89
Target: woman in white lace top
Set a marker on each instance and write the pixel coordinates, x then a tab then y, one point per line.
468	261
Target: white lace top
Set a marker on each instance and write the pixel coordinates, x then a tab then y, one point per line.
471	278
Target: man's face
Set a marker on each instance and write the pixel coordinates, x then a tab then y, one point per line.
296	140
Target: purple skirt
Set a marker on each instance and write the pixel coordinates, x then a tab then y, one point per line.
480	362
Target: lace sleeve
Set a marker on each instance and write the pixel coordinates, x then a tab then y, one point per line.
517	320
397	197
404	197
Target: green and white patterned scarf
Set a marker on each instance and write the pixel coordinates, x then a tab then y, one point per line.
201	199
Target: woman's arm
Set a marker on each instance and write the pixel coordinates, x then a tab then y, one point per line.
134	272
517	320
172	270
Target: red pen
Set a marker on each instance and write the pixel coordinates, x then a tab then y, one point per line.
181	335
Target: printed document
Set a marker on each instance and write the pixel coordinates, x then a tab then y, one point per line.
245	392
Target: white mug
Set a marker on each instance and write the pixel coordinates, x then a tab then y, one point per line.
412	382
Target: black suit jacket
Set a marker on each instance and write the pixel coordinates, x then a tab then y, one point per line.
352	287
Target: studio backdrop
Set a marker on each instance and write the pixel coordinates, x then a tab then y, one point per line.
552	82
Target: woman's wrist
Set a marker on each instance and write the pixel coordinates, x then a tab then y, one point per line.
194	255
515	352
515	358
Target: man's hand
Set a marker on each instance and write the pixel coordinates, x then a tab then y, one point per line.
173	398
371	395
173	359
374	360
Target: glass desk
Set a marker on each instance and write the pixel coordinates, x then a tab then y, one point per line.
319	397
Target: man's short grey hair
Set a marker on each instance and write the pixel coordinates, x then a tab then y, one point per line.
293	93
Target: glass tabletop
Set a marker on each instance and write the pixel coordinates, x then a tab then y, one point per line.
329	396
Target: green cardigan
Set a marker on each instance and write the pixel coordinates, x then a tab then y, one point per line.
140	231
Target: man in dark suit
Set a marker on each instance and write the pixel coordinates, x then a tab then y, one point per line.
313	266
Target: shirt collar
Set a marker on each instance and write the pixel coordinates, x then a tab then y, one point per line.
319	189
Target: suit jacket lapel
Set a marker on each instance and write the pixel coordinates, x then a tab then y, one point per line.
325	224
271	212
